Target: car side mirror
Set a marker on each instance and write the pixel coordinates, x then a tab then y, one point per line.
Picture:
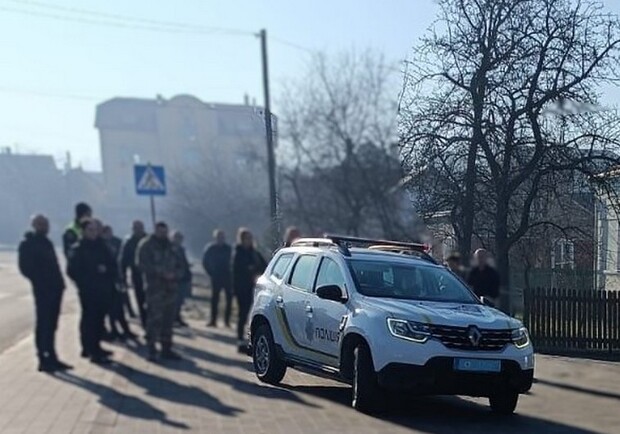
330	292
487	302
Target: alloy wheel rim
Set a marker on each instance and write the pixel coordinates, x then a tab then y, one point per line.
262	354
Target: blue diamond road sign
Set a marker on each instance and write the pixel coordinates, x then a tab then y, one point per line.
150	180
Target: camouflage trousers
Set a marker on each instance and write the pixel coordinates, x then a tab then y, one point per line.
161	303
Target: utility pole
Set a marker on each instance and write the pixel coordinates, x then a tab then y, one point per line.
271	158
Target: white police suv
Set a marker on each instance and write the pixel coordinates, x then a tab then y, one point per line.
384	317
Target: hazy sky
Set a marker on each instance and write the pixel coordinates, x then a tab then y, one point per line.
58	62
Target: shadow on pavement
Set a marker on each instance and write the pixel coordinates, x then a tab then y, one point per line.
443	415
168	390
120	403
212	335
579	389
208	356
238	384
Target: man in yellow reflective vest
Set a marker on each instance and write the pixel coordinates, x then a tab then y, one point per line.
73	233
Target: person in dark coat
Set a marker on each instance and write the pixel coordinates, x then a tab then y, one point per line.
116	315
129	263
248	265
483	279
292	233
39	264
185	280
73	232
216	261
94	271
454	264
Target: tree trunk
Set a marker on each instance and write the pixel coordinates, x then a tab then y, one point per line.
502	259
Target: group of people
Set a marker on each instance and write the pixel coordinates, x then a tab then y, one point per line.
234	273
98	263
101	266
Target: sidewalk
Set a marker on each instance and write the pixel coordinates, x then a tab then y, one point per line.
214	390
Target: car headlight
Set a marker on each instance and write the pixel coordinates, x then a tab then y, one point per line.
409	330
520	337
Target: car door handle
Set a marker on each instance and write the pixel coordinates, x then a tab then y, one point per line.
308	308
279	301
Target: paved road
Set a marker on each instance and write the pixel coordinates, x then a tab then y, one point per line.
16	305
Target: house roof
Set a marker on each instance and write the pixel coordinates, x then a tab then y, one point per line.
140	114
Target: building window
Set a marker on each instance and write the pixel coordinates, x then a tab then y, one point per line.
603	243
563	254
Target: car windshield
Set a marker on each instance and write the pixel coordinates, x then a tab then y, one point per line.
409	282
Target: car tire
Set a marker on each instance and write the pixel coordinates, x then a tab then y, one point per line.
268	366
367	394
504	402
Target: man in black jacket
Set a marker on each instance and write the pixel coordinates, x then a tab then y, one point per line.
129	262
39	264
116	315
483	279
95	273
216	261
248	265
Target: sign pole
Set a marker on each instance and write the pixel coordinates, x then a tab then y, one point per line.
153	210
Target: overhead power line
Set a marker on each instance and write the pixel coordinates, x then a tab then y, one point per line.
49	94
86	16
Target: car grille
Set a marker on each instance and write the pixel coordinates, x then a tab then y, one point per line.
457	338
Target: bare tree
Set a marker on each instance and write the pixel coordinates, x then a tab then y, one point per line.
220	191
487	107
339	162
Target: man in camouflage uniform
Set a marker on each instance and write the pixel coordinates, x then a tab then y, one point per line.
163	269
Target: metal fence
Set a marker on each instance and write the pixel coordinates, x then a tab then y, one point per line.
570	320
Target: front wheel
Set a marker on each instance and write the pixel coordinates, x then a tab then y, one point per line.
367	394
269	367
504	401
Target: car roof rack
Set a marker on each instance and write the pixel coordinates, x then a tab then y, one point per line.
413	249
321	242
344	243
312	242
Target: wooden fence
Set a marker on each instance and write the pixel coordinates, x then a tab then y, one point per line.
567	320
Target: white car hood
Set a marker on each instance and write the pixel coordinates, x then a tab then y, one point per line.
448	314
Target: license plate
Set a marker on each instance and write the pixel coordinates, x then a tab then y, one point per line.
477	365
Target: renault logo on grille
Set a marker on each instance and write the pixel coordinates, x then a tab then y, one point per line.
474	336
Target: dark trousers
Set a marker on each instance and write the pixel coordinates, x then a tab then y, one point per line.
244	301
95	305
138	288
127	304
117	314
47	307
219	284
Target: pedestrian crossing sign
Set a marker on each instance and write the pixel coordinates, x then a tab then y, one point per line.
150	180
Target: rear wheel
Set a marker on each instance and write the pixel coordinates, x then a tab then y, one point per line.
269	367
367	394
504	401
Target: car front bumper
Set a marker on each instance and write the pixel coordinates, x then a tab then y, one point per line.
438	377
